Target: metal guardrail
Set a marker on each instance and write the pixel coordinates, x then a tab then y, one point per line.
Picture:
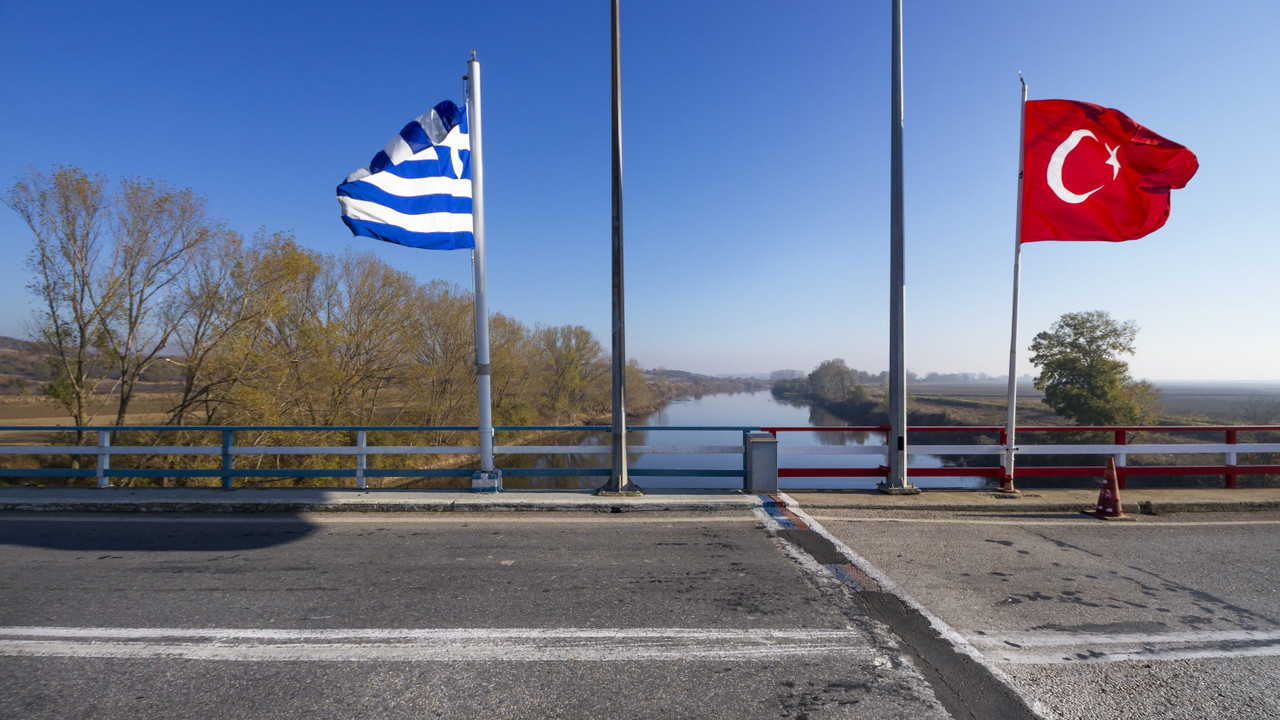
1230	469
361	450
227	451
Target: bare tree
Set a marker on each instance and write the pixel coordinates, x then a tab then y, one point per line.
1259	410
157	230
67	211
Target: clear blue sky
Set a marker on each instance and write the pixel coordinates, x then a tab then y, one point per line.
755	159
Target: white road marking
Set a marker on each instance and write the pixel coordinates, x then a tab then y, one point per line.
1075	648
742	515
446	645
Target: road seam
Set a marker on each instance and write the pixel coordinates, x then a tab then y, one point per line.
783	517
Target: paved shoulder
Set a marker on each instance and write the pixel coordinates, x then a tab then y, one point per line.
1163	617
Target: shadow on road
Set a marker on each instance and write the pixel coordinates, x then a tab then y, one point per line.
185	533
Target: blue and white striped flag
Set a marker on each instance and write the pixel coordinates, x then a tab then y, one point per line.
417	190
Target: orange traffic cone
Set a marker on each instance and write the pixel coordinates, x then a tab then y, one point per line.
1109	499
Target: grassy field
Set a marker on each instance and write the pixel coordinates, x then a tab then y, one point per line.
982	403
979	404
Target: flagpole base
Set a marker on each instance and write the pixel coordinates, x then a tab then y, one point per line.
486	482
888	489
629	489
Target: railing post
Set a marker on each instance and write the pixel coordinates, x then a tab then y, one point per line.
1006	465
360	460
104	460
1230	477
226	459
1122	437
760	451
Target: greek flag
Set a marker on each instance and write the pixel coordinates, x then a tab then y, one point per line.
417	190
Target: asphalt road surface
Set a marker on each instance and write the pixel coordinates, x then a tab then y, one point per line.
557	615
646	615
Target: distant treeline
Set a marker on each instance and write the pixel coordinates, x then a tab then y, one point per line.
860	397
882	378
838	388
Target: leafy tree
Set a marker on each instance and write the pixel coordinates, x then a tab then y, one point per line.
575	371
225	303
511	357
639	394
832	380
1082	375
442	354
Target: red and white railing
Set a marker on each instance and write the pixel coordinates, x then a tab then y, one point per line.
1121	449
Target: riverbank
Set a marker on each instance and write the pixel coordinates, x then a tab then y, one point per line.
928	406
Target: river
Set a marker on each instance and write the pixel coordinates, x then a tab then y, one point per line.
731	410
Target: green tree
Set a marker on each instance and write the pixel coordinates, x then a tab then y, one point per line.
511	357
832	380
226	303
1082	375
442	354
575	372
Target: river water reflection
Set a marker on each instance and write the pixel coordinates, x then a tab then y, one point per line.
731	410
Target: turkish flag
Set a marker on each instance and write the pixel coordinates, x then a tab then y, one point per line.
1091	173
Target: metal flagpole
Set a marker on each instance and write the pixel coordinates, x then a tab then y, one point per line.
1006	484
619	480
488	479
897	481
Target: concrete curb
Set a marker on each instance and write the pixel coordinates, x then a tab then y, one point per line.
292	501
1137	502
80	500
294	508
1148	507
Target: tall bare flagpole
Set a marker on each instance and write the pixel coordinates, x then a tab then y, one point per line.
1006	484
619	481
897	481
488	479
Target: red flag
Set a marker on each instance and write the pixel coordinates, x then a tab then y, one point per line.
1091	173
